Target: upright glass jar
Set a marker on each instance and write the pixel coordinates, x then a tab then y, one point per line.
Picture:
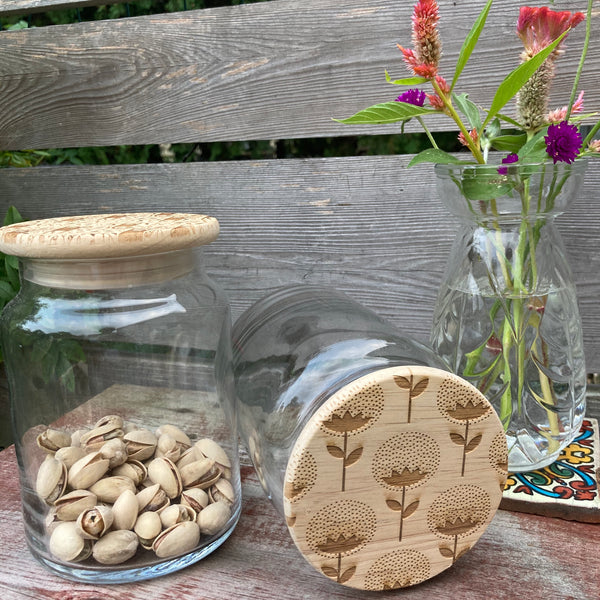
118	356
385	465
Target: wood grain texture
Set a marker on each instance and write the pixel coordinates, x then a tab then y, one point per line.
260	561
25	7
279	69
365	225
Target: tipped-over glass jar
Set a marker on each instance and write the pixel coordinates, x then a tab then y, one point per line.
118	354
385	466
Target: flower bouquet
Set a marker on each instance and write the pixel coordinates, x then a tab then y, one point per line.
506	317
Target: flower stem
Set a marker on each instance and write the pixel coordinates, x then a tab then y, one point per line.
586	43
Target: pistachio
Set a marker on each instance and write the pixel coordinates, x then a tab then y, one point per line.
213	518
69	506
125	510
179	436
115	547
51	480
152	498
115	451
134	469
168	447
94	522
76	437
66	543
141	444
51	521
164	472
52	440
147	527
69	455
195	498
187	457
114	420
93	440
177	539
176	513
87	470
210	449
108	489
222	491
200	473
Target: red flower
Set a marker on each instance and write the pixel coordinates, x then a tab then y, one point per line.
539	27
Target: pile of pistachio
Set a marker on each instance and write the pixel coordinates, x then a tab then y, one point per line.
116	487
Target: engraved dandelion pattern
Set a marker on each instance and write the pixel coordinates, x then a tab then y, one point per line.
338	530
404	462
415	389
398	569
302	473
356	414
499	456
457	513
463	406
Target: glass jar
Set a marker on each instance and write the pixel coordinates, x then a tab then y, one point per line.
118	355
385	466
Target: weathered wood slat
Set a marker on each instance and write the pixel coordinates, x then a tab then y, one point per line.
533	554
279	69
365	225
25	7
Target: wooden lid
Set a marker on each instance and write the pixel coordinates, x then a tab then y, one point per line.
107	235
395	477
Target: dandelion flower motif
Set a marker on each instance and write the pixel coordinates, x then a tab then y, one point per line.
302	473
398	569
499	455
563	142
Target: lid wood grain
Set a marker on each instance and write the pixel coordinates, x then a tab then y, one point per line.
107	235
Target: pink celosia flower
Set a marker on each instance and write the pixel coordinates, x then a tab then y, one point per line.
560	114
425	56
594	146
538	27
472	134
434	99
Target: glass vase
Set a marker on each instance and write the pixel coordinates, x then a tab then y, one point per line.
506	317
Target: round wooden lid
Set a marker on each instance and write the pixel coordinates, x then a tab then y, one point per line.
107	235
395	477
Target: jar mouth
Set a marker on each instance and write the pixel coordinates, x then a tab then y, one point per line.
108	273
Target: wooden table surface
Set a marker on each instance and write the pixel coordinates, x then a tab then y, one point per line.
519	555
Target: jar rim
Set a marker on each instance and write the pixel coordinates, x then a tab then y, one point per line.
448	169
110	235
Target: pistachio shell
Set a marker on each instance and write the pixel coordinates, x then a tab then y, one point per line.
195	498
134	469
164	472
69	455
115	547
152	498
70	506
200	473
108	489
177	539
179	436
51	480
213	518
210	449
141	444
66	543
176	513
222	491
115	451
52	440
147	527
168	447
94	522
94	439
76	437
87	470
114	420
125	510
189	456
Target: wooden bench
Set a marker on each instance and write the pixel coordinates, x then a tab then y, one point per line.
365	224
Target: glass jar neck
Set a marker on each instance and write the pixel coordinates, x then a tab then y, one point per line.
108	273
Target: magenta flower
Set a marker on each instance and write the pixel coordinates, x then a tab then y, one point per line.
563	142
507	160
415	97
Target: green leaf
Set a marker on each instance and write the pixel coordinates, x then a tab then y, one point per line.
388	112
482	187
7	292
509	143
470	42
435	155
469	109
515	80
12	216
535	148
406	81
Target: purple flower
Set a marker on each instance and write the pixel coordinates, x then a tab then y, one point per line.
563	142
507	160
415	97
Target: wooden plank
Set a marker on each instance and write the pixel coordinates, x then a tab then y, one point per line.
260	561
25	7
278	69
363	224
